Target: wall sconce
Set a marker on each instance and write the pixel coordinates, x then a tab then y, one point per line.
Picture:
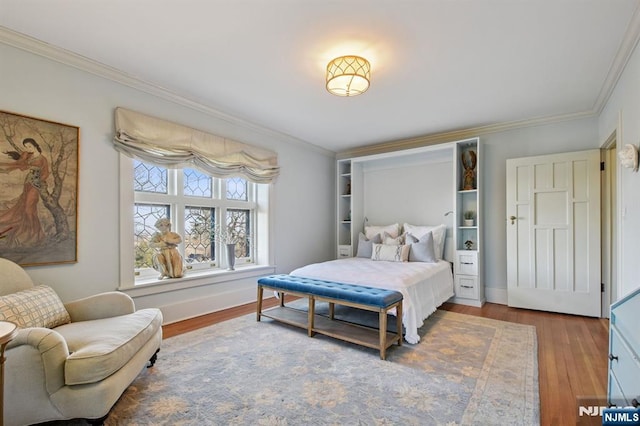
628	156
348	75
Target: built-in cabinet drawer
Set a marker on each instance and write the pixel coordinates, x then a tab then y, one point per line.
344	251
624	351
625	366
616	397
466	286
467	263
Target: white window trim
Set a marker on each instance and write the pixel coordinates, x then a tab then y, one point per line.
263	246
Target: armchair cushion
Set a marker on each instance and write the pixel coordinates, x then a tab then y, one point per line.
37	306
98	348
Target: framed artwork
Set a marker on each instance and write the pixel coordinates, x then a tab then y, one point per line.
38	190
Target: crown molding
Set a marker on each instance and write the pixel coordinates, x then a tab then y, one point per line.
624	53
66	57
456	135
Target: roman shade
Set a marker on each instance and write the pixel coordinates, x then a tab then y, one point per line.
169	144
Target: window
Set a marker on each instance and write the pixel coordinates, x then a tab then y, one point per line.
207	212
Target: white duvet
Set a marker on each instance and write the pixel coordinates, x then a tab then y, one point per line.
425	286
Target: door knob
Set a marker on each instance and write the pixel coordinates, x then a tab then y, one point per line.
512	219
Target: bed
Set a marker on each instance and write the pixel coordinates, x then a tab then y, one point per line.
425	286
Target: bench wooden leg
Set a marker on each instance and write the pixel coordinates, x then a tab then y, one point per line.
311	315
281	294
259	303
399	322
383	333
332	310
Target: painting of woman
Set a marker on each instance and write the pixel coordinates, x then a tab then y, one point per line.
20	224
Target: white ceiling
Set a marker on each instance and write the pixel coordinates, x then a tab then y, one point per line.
437	65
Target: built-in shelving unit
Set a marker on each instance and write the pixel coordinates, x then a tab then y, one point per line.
464	239
468	214
345	209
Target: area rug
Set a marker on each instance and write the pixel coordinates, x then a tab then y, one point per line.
465	370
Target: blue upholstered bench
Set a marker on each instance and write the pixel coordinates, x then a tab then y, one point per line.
362	297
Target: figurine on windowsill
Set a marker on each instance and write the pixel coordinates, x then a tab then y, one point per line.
468	244
167	260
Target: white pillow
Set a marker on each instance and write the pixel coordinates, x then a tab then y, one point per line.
390	253
421	250
439	235
365	246
391	241
393	230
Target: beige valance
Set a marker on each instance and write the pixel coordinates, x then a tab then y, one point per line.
169	144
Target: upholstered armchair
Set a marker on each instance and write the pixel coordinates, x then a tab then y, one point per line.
70	360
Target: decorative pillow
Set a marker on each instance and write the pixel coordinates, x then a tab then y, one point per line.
421	249
391	241
393	230
390	253
439	235
38	306
365	246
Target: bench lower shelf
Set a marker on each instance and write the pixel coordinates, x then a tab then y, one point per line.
348	332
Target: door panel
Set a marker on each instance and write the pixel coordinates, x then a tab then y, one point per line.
553	242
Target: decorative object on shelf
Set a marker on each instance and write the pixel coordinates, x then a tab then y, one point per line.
469	215
348	219
39	169
469	160
348	75
347	190
629	157
166	260
468	244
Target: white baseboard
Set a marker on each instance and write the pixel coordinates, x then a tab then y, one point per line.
496	295
205	305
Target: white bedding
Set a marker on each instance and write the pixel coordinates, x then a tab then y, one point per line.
425	286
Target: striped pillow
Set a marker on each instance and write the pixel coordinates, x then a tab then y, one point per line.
38	306
390	253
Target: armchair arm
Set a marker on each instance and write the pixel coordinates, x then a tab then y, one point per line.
40	345
103	305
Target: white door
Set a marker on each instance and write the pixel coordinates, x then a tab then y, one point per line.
553	233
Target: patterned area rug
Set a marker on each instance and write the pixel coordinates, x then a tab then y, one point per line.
466	370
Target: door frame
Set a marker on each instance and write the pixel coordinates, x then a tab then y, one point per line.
610	226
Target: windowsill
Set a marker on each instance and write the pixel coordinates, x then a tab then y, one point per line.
149	286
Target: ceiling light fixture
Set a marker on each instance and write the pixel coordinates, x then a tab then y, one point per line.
348	75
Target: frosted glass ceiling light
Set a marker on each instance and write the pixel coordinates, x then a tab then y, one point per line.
348	75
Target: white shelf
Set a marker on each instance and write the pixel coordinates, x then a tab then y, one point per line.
468	285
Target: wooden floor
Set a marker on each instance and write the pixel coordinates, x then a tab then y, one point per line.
572	352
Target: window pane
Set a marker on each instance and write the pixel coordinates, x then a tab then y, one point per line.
149	178
198	245
238	227
144	220
237	189
197	184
